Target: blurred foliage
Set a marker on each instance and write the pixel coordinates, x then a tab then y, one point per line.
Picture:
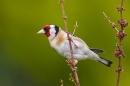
26	59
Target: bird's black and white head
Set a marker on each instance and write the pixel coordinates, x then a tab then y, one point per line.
50	31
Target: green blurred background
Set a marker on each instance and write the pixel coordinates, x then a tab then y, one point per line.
26	59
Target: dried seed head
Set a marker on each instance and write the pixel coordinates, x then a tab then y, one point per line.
61	1
119	69
123	23
120	8
120	35
119	51
113	25
64	17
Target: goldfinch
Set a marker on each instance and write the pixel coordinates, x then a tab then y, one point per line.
59	41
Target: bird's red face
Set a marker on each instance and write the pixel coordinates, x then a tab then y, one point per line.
50	31
47	30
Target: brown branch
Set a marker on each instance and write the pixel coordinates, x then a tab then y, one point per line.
119	53
71	60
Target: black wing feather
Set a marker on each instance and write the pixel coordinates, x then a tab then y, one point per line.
97	50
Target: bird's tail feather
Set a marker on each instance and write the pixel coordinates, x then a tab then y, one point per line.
105	62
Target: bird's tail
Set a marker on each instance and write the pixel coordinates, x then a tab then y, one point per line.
105	62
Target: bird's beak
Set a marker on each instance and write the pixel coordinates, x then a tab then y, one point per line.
41	31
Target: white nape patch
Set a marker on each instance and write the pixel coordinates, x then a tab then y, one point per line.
52	26
41	31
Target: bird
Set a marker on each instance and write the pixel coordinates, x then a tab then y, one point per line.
58	40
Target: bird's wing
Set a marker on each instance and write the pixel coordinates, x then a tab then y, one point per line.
82	46
81	42
95	50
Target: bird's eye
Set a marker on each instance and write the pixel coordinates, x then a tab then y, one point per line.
47	29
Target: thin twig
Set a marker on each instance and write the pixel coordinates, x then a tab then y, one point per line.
120	36
75	27
74	43
71	61
61	81
113	24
